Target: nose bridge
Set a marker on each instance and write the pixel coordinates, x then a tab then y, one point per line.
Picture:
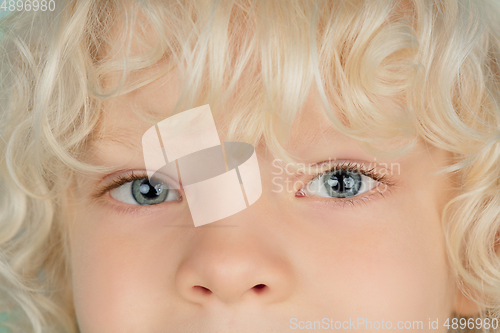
235	259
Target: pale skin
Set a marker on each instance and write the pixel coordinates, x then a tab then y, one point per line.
148	269
141	268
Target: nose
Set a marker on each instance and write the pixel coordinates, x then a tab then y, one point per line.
232	264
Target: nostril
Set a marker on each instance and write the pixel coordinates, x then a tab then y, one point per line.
259	287
202	289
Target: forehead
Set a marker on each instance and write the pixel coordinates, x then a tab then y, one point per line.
122	122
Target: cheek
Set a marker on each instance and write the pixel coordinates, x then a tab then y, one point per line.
379	262
120	274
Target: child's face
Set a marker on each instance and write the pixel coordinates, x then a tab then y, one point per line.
142	268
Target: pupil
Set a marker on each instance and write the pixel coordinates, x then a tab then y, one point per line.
148	190
343	184
146	193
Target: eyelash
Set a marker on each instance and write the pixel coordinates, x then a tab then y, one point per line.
120	180
352	167
344	166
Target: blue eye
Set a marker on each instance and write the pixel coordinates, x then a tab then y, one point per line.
141	192
340	183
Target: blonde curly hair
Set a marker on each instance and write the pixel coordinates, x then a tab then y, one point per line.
436	61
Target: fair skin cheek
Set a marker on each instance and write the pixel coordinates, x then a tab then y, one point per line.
141	268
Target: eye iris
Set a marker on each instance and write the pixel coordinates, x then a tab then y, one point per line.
342	183
146	194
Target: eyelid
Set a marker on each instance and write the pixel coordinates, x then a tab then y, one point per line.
347	165
119	178
349	202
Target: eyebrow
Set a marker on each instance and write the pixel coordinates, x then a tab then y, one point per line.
313	136
122	138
